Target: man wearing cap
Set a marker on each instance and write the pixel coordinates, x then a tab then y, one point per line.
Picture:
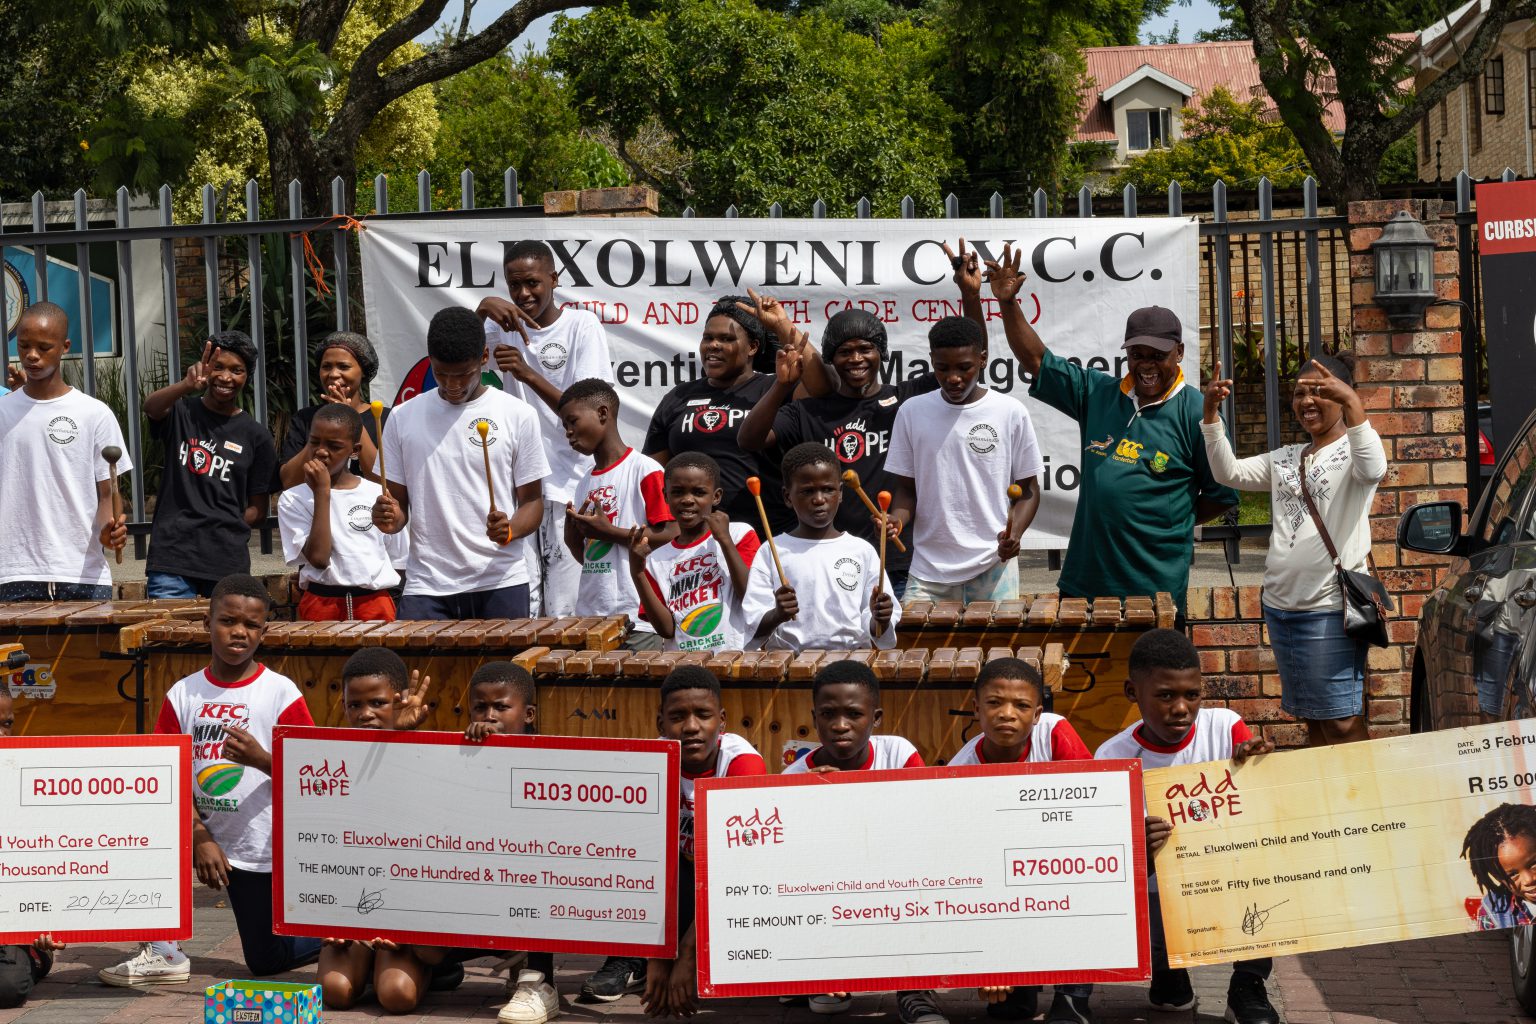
1145	482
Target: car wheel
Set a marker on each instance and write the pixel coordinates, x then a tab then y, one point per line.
1522	965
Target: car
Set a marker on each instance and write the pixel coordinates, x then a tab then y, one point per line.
1475	657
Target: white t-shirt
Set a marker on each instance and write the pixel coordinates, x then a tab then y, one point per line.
50	463
737	758
961	459
432	447
235	801
695	583
572	348
1342	479
1052	739
361	555
631	492
885	753
834	580
1216	733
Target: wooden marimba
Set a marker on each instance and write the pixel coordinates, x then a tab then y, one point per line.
1096	636
926	695
312	654
79	676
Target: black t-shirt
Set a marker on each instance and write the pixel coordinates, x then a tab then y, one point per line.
298	436
698	417
214	465
859	431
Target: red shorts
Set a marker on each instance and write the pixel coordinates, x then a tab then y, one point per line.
377	607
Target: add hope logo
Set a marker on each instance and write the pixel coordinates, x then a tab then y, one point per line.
759	828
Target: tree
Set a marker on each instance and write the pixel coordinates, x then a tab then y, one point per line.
1313	52
756	107
315	74
1225	139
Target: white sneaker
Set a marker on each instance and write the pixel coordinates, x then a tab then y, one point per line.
534	1002
146	968
829	1004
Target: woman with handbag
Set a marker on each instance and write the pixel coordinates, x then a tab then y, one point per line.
1321	605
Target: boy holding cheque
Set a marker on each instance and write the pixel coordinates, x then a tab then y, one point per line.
1174	729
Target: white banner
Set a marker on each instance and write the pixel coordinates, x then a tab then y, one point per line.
651	281
521	842
856	882
96	838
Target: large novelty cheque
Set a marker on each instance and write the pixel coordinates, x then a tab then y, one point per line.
96	838
1400	838
652	281
521	842
819	883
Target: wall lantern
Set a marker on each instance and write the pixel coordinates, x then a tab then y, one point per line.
1405	274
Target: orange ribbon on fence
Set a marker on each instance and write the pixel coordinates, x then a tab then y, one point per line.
346	222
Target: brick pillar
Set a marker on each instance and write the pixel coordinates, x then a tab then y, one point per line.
1410	385
628	201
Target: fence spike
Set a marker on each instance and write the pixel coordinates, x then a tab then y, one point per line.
1219	201
908	207
1042	203
952	206
1508	175
776	211
208	204
862	208
466	189
165	205
1309	197
1128	200
731	212
1084	202
688	211
380	193
995	205
509	187
338	199
424	191
1175	199
252	199
818	209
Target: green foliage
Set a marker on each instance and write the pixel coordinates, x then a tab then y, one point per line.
761	107
1225	139
1400	163
509	112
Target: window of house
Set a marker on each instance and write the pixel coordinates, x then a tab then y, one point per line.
1475	107
1148	129
1530	87
1493	86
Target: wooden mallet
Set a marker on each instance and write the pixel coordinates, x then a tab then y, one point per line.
378	431
112	453
884	498
756	487
852	480
483	428
1015	492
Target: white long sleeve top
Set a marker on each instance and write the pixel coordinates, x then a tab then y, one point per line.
1342	478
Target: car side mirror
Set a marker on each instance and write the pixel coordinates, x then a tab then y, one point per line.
1433	527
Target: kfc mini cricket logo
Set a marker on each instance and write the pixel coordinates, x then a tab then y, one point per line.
982	439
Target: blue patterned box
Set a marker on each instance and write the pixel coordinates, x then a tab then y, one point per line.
261	1002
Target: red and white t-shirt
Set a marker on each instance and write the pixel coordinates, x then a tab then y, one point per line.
235	801
695	583
737	758
631	492
1052	739
885	753
1215	734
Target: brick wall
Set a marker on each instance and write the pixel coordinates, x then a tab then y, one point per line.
1504	136
1410	384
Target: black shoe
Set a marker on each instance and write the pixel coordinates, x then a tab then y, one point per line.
1067	1009
918	1008
1022	1004
1171	991
1247	1002
446	977
618	975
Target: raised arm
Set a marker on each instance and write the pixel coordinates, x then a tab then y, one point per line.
757	433
158	404
1006	277
968	279
1250	474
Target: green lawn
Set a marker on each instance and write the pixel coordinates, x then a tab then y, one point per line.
1253	508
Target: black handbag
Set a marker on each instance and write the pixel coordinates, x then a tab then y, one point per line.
1366	602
